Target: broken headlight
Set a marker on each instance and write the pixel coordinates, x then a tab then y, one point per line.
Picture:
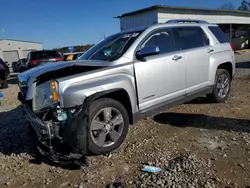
46	94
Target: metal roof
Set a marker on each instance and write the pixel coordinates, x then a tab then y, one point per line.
21	41
201	10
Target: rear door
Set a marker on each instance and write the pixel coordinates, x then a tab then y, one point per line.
196	50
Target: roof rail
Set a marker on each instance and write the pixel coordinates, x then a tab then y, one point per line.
186	21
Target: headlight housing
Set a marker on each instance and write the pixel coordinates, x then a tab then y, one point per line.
46	94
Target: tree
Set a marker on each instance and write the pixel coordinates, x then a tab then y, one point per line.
227	6
245	6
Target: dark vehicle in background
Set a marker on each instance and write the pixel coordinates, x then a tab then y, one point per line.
14	66
20	65
40	57
6	65
4	74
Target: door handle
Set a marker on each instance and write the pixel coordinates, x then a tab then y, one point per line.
210	50
177	57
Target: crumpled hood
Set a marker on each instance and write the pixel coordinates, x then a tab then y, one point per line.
30	75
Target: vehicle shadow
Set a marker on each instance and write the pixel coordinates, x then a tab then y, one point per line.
14	134
203	121
16	139
199	100
243	65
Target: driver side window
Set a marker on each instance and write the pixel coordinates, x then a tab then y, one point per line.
162	38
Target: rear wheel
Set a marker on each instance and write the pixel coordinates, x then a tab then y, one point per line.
222	87
108	125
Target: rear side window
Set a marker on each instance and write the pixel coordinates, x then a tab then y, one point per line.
190	37
44	54
219	34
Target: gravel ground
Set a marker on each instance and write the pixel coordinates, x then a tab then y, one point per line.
196	145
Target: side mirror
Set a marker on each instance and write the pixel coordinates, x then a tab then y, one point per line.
148	50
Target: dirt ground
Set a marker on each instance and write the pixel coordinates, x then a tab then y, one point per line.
217	134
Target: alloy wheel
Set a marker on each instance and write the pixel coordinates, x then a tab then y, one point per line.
222	85
106	127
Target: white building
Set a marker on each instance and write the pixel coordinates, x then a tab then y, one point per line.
235	23
13	50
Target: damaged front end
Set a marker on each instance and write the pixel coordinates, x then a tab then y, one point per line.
59	131
55	132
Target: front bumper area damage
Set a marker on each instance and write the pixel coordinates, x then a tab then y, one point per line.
55	139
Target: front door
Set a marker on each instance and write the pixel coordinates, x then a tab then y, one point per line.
160	77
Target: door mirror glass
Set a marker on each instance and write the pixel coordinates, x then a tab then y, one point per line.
147	51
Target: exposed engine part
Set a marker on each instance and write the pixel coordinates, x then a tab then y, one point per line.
60	114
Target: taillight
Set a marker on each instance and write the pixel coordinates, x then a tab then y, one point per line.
34	62
58	59
232	46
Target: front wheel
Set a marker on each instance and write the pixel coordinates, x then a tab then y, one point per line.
222	86
108	125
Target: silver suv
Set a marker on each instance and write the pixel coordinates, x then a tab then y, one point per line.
85	106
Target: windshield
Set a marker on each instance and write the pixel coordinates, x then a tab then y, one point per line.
112	47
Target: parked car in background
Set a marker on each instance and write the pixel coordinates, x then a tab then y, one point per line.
40	57
7	68
14	66
71	56
88	104
20	65
4	74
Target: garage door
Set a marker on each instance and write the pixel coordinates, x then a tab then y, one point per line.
25	53
10	57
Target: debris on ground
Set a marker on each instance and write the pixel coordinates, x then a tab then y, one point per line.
182	171
151	169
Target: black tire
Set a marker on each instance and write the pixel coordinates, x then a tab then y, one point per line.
214	96
94	108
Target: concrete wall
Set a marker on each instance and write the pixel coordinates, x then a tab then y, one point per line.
20	46
139	20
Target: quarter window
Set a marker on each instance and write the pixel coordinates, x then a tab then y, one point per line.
190	37
219	34
163	38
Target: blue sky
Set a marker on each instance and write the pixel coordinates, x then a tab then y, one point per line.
58	23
